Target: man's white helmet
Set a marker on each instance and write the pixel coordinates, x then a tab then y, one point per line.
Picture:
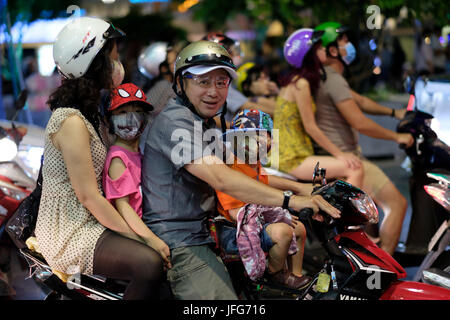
78	43
151	57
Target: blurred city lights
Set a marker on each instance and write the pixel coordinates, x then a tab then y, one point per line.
46	63
377	61
372	44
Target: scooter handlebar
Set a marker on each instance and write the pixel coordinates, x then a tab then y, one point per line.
304	214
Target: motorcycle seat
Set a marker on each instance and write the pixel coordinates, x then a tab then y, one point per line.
33	248
32	252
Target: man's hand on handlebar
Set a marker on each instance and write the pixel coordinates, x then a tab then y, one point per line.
405	139
400	113
316	203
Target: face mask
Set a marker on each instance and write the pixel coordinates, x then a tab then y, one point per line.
252	151
118	73
130	125
351	53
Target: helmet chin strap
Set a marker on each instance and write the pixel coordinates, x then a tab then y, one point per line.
324	73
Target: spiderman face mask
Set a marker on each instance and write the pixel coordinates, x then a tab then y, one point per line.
130	105
129	125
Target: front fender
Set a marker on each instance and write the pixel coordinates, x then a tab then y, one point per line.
409	290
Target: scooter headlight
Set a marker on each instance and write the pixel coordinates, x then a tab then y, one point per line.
30	158
9	149
12	192
366	207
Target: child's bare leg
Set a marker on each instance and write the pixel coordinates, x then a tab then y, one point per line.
281	235
295	262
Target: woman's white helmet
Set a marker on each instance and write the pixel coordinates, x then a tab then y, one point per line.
78	43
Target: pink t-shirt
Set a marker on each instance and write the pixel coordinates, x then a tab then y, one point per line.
129	183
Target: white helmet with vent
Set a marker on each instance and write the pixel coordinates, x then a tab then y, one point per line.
78	43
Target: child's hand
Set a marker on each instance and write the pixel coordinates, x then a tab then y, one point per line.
162	248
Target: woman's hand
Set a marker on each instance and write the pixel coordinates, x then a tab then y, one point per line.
273	88
162	248
352	161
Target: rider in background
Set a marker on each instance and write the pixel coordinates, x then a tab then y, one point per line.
156	62
294	115
340	115
255	84
236	100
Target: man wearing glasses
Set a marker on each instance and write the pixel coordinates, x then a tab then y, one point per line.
178	189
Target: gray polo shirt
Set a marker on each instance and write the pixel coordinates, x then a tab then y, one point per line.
176	204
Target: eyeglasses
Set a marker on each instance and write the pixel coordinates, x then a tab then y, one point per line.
220	82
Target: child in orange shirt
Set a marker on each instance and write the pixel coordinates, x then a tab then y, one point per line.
261	229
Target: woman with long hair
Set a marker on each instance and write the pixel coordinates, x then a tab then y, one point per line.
77	229
294	115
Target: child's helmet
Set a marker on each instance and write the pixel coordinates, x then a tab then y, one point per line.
252	120
128	92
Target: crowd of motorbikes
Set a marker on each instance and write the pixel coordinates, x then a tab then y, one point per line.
352	267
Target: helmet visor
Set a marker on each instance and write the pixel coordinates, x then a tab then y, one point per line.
316	36
113	33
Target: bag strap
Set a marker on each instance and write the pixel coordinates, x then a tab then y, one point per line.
39	179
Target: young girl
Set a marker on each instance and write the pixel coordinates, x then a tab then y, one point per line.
127	114
260	228
294	116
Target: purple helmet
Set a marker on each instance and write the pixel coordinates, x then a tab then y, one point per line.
297	45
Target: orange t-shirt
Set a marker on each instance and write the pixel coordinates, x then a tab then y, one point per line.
227	202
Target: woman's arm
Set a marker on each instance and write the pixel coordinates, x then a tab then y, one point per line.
73	141
303	99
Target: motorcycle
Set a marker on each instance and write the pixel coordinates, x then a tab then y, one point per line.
21	146
356	269
428	154
17	177
435	268
353	268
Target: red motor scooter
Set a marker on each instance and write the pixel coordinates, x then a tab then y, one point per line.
356	269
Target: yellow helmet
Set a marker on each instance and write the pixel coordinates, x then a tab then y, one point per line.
242	74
